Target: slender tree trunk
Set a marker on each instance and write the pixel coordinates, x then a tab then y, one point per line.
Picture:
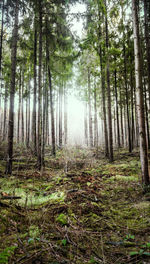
28	131
132	109
104	103
47	123
109	96
60	116
117	109
65	117
44	118
95	120
39	158
5	111
12	91
19	110
26	119
51	97
102	80
86	125
146	114
90	110
127	99
139	92
35	91
136	121
121	121
1	38
147	37
22	108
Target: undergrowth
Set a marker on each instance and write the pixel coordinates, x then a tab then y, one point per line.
80	209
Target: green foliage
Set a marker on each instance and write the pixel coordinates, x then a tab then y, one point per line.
6	254
62	219
64	242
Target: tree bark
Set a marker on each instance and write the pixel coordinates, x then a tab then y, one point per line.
19	110
95	120
139	92
51	96
1	38
12	91
60	116
35	91
90	110
109	95
65	117
147	38
39	158
117	109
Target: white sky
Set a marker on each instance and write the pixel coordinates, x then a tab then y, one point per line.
77	25
75	106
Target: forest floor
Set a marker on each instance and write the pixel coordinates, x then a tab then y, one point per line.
80	209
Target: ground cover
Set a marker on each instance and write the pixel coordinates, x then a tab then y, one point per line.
80	209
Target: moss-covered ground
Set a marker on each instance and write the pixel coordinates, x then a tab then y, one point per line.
79	209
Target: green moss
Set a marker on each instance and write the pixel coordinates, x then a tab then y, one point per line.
62	219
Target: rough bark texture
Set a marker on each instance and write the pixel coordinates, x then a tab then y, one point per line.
139	92
12	91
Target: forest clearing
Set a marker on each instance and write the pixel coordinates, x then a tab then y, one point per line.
74	131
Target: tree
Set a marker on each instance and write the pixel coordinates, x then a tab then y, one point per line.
12	90
139	92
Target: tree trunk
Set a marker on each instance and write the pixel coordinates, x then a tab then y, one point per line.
1	38
95	120
117	109
127	99
51	95
12	91
86	125
5	111
60	116
147	37
19	110
146	114
39	158
121	120
90	110
109	97
28	131
35	91
139	92
104	103
65	117
102	81
22	108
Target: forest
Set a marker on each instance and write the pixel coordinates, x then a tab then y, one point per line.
74	131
